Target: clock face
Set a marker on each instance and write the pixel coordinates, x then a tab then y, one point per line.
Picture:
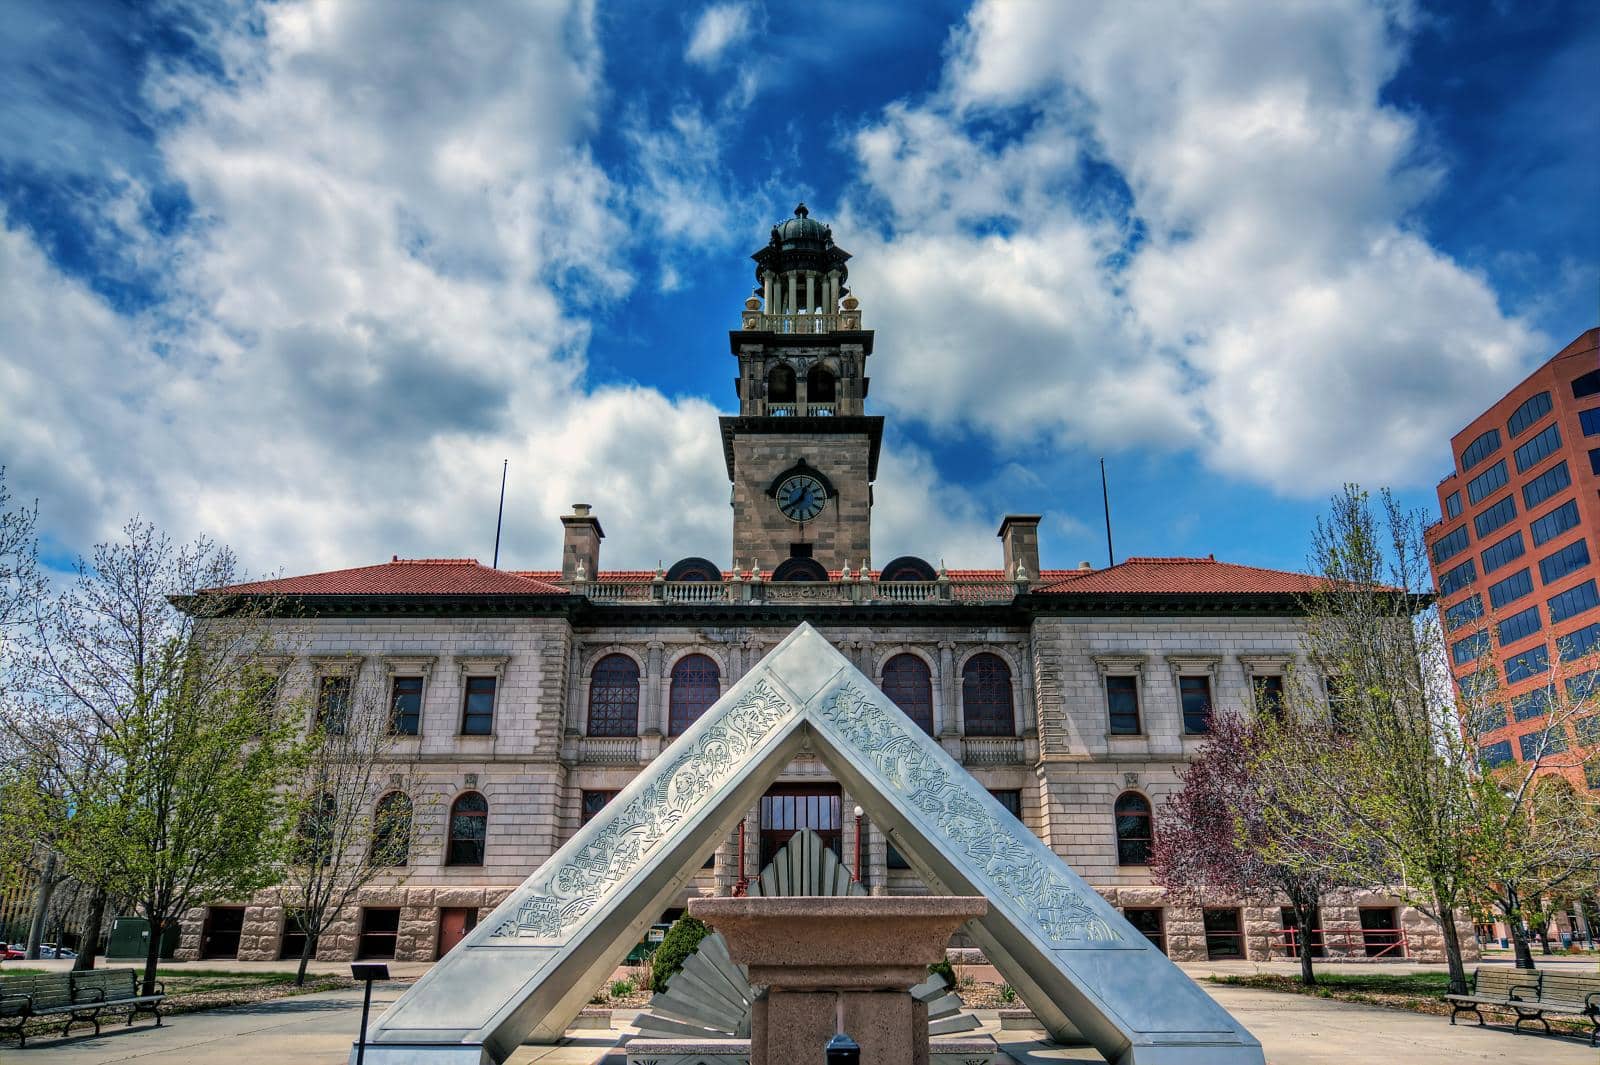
801	498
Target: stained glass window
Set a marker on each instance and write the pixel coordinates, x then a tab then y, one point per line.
469	829
1134	839
909	683
696	684
614	697
986	707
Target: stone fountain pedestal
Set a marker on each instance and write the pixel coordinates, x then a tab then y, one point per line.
823	960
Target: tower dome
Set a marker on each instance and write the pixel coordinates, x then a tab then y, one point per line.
801	244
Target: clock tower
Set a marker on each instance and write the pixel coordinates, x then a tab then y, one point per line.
802	453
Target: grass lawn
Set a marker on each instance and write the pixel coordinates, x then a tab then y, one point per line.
1417	992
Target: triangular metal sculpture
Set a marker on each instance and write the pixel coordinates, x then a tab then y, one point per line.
525	972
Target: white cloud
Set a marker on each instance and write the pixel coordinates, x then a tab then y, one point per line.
1264	298
719	27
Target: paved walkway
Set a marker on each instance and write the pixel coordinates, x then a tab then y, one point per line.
1294	1029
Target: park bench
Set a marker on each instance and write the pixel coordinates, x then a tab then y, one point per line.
1533	995
79	997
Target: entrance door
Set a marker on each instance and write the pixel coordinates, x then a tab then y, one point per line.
787	808
1380	932
220	936
454	924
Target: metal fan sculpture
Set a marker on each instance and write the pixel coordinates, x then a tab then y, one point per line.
710	997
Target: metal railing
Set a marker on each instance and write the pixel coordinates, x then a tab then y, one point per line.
1346	941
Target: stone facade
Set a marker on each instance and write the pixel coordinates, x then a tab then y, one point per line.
841	535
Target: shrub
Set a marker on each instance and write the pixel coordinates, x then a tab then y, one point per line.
1008	994
943	968
680	942
621	988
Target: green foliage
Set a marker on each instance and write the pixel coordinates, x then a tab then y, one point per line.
943	968
1008	994
680	942
621	988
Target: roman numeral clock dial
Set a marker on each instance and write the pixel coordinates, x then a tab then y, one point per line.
801	498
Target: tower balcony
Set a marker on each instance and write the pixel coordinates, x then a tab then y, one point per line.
754	321
802	410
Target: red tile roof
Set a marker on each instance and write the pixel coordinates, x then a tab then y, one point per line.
407	576
1178	576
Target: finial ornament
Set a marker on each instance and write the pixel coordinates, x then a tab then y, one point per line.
580	574
844	572
800	210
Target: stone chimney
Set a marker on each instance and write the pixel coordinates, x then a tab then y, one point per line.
1019	534
580	544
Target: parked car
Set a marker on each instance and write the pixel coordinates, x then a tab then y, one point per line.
16	952
50	950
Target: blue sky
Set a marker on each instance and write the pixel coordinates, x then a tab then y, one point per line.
300	275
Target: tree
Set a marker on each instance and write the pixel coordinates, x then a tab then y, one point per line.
353	818
1217	834
148	655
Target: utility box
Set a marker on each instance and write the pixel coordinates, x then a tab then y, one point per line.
130	940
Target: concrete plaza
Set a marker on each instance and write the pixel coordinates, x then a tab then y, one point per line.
1294	1029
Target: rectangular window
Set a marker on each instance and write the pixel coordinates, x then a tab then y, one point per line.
333	704
1589	421
1450	544
1195	694
1594	460
477	716
1122	699
593	803
1494	754
1587	385
1538	449
1575	645
1582	685
1469	609
1458	577
1530	705
1269	694
1010	798
1511	589
1591	774
1520	626
405	706
1477	685
1223	936
1542	743
1502	552
1496	516
1574	601
1147	920
1569	559
1481	448
1486	719
1486	483
1530	663
1469	650
1452	505
1546	485
1588	730
1524	416
1549	526
380	927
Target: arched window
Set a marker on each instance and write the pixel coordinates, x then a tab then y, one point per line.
391	829
908	568
799	569
780	384
696	684
986	697
907	680
1134	838
819	385
469	828
694	569
314	834
614	697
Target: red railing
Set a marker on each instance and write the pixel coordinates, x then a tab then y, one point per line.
1347	940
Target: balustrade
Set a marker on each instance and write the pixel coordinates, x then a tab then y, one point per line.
955	592
991	750
803	322
609	750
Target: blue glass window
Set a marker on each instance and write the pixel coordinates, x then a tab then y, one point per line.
1582	685
1534	704
1451	544
1469	649
1590	421
1574	601
1546	485
1588	730
1549	526
1511	589
1502	552
1467	610
1520	626
1496	516
1594	460
1572	557
1530	663
1452	505
1524	416
1457	577
1487	718
1477	685
1494	754
1539	448
1587	385
1538	744
1489	481
1580	643
1480	449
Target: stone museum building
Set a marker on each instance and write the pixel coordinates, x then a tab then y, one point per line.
525	700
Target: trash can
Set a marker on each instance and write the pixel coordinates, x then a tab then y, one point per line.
130	939
1566	940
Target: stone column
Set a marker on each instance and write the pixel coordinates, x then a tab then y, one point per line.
794	294
947	724
811	291
652	716
1029	716
766	292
